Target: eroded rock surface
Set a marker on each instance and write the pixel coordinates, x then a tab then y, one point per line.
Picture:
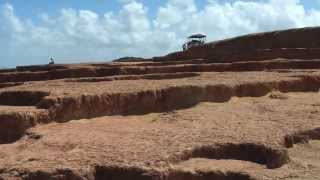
227	125
172	120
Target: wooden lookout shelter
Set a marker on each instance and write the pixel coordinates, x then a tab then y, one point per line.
194	40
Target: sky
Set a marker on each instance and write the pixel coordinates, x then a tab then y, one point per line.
73	31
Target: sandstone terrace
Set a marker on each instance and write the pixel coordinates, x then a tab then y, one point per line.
172	120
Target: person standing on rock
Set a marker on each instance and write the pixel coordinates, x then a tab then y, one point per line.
51	60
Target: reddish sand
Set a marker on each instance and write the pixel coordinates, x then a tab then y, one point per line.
171	120
227	125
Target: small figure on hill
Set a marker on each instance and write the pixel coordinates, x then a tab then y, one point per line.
51	61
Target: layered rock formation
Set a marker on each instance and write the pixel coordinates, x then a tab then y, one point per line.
169	120
300	43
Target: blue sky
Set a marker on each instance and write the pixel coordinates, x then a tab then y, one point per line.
32	8
74	31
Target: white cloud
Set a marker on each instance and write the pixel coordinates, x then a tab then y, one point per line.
84	35
9	20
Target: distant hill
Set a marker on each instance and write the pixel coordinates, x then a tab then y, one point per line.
299	43
130	59
5	69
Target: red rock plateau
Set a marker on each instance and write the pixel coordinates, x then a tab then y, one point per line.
236	109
